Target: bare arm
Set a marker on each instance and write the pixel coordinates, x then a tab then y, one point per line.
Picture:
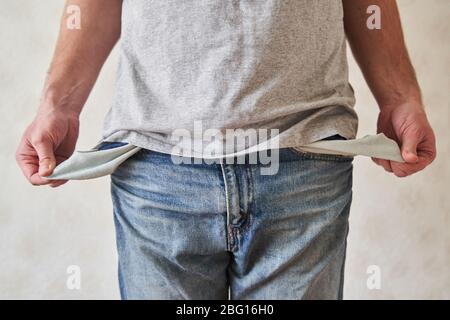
384	61
80	53
78	59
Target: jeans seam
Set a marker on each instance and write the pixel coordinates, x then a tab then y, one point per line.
320	156
229	230
250	198
344	245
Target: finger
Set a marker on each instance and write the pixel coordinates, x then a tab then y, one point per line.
426	150
406	169
377	161
410	140
385	164
28	162
57	183
47	162
37	180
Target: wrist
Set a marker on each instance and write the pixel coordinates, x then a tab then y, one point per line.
56	97
410	97
413	104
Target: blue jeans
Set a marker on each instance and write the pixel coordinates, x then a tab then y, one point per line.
199	231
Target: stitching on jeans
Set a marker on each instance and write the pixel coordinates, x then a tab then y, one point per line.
248	214
345	209
320	156
227	200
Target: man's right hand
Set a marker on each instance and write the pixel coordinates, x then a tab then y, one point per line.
48	140
79	56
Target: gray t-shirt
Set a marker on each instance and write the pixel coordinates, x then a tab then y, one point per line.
231	64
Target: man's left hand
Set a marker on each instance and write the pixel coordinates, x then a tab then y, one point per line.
408	125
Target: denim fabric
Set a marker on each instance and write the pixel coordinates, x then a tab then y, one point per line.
110	145
195	231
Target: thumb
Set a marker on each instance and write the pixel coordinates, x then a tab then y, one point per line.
409	148
46	157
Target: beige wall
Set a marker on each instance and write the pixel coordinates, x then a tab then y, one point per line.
400	225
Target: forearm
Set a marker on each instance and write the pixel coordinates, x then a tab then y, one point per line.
81	53
381	54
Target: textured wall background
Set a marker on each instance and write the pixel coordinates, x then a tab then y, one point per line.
400	225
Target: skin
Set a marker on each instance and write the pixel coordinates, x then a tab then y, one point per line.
384	61
78	58
80	54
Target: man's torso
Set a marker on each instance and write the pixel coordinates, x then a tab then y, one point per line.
231	64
